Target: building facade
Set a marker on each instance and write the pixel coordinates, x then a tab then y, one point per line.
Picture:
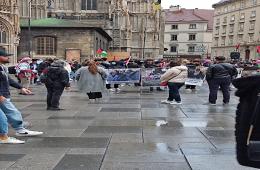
61	38
9	27
135	26
236	28
188	33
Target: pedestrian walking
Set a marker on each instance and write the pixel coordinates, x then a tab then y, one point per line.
219	75
9	114
91	80
57	79
175	77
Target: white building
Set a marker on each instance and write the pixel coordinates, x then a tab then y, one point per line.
236	23
188	32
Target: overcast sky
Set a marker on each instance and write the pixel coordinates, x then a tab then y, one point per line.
189	4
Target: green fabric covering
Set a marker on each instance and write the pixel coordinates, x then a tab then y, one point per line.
53	22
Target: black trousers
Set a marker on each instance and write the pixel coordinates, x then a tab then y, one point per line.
108	86
224	84
53	96
94	95
174	91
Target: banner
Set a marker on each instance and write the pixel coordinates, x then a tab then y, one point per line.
195	76
152	76
118	76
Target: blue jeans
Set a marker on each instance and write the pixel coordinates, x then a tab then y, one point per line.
9	114
174	91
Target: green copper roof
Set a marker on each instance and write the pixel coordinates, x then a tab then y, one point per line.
53	22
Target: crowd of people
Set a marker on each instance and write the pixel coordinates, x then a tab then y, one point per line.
91	77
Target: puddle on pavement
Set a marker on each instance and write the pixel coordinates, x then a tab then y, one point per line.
164	148
194	123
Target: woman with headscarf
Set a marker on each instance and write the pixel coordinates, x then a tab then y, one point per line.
91	80
57	79
24	72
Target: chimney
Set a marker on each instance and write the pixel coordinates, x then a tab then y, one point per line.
175	8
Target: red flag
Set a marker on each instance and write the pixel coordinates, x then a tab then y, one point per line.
127	62
258	49
237	46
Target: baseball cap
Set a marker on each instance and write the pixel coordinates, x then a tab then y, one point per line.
4	54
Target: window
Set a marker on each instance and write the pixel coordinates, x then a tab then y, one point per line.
174	38
174	27
254	2
231	40
88	4
242	4
252	25
241	27
217	21
225	9
231	29
253	14
223	40
224	29
242	16
251	38
216	42
191	49
45	46
192	26
173	49
192	37
233	7
3	37
225	20
240	38
232	19
217	30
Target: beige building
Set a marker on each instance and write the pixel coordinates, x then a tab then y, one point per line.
188	33
134	26
9	27
236	24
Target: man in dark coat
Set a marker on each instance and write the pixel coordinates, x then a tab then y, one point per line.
57	78
220	75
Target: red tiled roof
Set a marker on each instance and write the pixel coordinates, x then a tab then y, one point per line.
190	15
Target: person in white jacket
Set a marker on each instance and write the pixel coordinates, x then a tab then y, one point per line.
176	77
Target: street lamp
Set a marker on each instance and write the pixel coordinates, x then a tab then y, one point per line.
29	28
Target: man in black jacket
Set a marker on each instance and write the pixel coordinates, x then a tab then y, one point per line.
8	112
57	78
220	75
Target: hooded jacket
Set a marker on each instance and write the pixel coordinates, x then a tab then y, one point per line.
6	81
57	75
176	74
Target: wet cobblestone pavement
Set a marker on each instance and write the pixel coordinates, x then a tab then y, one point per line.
125	131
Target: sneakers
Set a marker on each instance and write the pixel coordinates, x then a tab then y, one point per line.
170	102
11	140
25	132
175	103
165	101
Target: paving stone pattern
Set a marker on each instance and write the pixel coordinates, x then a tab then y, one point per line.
131	130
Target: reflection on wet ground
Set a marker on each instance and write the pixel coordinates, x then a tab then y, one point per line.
125	131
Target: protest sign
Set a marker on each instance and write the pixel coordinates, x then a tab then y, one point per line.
195	76
152	76
118	76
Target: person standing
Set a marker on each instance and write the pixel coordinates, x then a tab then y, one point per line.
176	77
57	79
92	80
220	75
9	114
24	72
